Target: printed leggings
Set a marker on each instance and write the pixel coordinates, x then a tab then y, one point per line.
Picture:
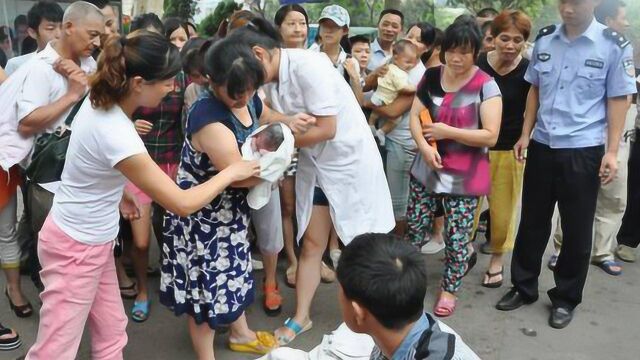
459	214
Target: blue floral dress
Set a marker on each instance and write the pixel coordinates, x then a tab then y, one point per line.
206	264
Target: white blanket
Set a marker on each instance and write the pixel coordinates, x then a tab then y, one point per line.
272	166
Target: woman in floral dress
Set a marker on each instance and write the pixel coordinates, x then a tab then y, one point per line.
206	266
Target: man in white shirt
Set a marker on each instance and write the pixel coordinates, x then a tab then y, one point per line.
44	20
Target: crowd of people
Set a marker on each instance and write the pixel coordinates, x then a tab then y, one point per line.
114	139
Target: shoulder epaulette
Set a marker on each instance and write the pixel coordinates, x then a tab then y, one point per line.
616	37
548	30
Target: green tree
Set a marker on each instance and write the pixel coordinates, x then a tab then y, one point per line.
210	24
183	9
530	7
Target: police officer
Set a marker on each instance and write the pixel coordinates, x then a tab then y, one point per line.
581	74
612	198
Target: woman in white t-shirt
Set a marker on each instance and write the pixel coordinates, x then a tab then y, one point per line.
338	155
76	242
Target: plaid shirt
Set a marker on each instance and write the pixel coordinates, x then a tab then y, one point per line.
164	141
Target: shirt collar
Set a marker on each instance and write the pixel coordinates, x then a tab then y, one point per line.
375	47
412	338
591	33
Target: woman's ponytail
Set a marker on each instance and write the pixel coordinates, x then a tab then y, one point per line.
109	84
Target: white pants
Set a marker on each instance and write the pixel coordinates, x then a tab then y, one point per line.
268	224
9	248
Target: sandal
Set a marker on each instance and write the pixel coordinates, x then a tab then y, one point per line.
473	259
291	276
21	311
296	328
553	261
327	275
129	292
140	311
493	285
272	300
607	266
262	345
444	307
9	339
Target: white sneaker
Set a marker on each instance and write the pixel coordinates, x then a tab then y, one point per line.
432	247
257	264
335	257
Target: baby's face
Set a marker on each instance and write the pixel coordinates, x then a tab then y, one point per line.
406	60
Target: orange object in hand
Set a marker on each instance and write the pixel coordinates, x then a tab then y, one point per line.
425	119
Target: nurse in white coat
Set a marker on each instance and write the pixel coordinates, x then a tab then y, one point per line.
338	155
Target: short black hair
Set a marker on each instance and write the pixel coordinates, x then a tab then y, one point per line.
44	10
427	32
485	27
20	20
29	45
464	32
487	12
172	24
385	275
145	21
192	59
100	4
359	39
608	9
284	10
393	12
232	64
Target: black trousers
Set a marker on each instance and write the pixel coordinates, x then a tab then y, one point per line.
629	233
568	177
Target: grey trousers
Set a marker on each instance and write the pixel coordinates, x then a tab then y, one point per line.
267	222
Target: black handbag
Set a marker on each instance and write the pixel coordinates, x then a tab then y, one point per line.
50	152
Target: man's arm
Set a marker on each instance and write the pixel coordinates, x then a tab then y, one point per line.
617	109
44	116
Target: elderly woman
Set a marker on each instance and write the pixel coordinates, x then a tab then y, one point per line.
452	166
510	31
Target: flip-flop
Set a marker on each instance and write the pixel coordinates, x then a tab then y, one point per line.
125	294
272	300
607	266
493	285
553	261
444	307
9	343
140	311
473	259
262	345
296	328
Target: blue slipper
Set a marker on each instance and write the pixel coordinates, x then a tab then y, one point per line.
607	265
140	311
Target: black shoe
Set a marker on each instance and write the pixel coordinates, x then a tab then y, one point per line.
560	317
512	300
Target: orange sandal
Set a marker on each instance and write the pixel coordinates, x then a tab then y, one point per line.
272	300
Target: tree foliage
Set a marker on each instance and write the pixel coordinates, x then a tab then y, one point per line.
210	24
530	7
183	9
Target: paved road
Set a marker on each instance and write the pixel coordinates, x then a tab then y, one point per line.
606	325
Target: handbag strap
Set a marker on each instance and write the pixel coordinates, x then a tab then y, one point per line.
74	111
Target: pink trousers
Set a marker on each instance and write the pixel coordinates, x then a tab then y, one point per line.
80	284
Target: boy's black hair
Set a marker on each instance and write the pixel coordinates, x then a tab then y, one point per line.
464	32
359	39
608	9
232	64
20	20
385	275
401	45
29	45
393	12
145	21
192	59
44	10
487	12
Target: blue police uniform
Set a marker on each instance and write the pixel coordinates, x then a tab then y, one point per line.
575	79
